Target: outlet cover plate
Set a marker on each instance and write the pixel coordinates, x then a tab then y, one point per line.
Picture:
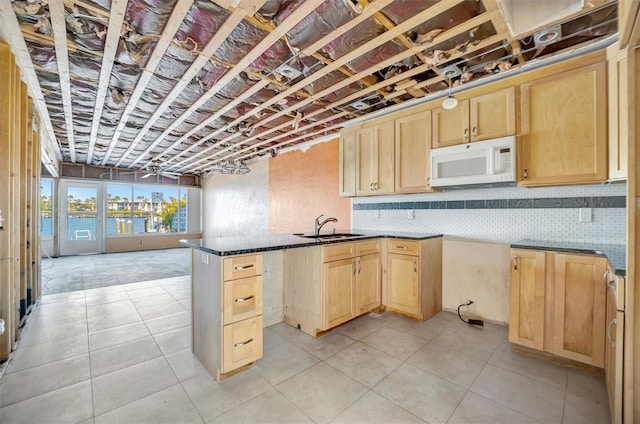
586	215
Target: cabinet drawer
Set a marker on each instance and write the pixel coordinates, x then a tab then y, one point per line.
242	343
338	251
235	267
404	247
242	299
368	247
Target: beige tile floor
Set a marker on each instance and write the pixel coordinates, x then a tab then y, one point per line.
121	354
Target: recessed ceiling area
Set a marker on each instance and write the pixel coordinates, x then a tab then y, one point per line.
191	86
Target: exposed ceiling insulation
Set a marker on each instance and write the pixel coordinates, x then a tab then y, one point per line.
196	84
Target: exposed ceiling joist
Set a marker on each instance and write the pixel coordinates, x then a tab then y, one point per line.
58	23
256	52
245	7
178	14
116	19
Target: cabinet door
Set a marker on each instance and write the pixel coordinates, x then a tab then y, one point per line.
564	128
526	316
493	115
450	127
364	157
613	357
368	288
382	162
348	163
402	290
413	145
579	308
338	292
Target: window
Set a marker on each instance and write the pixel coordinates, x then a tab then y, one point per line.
136	209
46	208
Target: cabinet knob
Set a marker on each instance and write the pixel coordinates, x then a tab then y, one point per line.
415	265
515	263
353	265
466	133
474	133
525	175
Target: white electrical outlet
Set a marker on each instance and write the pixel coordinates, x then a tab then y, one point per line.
411	213
205	259
585	215
376	213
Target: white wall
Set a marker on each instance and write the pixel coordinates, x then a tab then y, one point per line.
237	204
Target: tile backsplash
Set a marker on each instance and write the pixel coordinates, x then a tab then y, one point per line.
502	215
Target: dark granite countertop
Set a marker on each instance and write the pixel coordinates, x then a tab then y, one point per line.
225	246
616	253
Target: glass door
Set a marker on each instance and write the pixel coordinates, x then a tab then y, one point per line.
81	223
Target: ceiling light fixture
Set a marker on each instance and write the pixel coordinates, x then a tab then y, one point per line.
548	36
450	72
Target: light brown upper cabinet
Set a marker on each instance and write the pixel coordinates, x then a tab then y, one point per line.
413	146
348	163
619	123
564	128
375	159
484	117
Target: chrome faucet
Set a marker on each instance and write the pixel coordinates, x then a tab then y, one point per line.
318	224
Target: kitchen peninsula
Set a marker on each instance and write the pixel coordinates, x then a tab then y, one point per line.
312	283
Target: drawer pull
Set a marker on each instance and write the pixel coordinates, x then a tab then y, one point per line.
244	299
241	267
402	247
243	343
611	324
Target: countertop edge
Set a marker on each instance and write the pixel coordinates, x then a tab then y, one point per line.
312	242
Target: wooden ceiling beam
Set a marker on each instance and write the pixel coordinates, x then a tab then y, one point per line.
292	20
59	26
116	20
245	7
175	20
98	11
405	26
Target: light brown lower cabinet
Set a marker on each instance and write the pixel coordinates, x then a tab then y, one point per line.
614	345
557	304
226	319
413	277
325	286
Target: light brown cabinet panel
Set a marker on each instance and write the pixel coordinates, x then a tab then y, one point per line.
403	292
235	267
493	115
375	159
334	252
613	356
621	77
564	128
579	308
412	153
483	117
338	292
348	163
368	283
242	343
527	298
450	127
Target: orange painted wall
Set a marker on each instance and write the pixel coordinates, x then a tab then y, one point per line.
303	185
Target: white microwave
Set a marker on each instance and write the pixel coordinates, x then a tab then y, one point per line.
489	163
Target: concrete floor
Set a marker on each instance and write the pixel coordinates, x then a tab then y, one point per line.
71	273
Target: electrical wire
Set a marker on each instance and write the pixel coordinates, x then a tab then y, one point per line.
470	321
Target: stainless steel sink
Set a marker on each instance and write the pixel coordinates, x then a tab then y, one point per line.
330	236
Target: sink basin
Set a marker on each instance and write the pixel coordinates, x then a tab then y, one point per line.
330	236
